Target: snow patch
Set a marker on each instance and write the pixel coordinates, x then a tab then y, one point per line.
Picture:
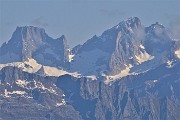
154	81
131	58
17	92
92	77
169	64
22	83
117	26
8	94
177	53
142	47
149	65
75	74
41	86
71	58
10	64
63	102
151	82
53	71
142	57
123	73
31	66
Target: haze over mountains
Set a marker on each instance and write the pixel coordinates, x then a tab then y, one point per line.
129	72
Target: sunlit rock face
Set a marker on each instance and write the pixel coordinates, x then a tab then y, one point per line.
127	44
130	72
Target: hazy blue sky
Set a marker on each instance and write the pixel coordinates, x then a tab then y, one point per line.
79	20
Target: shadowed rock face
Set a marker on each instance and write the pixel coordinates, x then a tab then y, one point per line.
128	43
145	96
29	96
151	94
32	42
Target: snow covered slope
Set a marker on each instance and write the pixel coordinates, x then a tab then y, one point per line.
31	66
128	48
41	78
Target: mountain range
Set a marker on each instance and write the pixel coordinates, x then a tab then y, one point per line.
130	72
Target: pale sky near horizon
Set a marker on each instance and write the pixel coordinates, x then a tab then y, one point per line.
79	20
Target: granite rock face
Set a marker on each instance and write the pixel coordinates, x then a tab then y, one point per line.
148	96
128	41
32	42
126	45
130	72
26	96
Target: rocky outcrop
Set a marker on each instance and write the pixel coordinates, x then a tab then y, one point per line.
148	96
153	95
30	96
147	87
32	42
126	45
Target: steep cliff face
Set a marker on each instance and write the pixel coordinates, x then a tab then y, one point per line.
153	95
113	50
128	45
129	72
149	96
32	42
30	96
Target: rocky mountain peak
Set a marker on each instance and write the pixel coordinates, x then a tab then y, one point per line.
29	32
29	28
156	29
32	42
26	37
130	23
62	40
63	37
44	79
133	21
